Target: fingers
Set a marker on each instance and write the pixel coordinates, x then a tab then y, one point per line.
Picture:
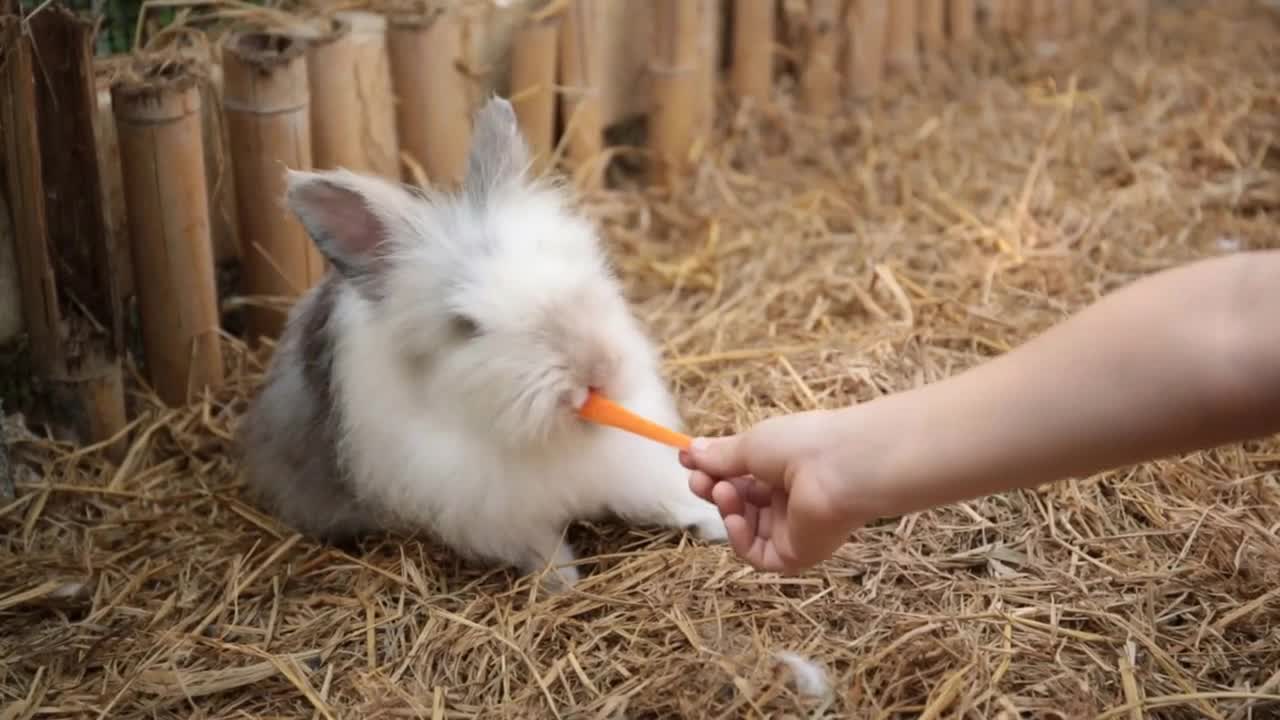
723	457
701	484
730	495
753	545
753	491
742	537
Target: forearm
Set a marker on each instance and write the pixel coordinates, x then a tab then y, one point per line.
1183	360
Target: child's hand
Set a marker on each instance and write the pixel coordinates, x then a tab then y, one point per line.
783	488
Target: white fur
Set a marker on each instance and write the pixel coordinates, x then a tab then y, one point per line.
477	439
810	677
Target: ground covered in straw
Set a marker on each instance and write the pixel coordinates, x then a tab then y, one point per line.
808	265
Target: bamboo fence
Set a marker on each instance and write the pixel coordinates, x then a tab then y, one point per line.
188	156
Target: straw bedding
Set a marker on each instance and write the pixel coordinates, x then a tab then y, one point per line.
808	264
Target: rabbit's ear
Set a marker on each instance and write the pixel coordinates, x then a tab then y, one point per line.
349	217
498	155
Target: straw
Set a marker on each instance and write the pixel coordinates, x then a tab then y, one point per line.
811	263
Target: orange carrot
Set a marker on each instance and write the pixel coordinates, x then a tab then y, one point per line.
602	410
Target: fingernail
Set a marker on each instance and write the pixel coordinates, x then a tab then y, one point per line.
699	445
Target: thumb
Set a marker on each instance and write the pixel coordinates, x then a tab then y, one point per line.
723	457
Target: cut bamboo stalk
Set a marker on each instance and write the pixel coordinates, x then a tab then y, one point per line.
433	117
27	199
66	268
1016	17
672	121
708	65
158	119
933	28
113	205
371	67
336	141
819	79
224	227
793	25
1139	11
1039	24
533	79
1005	17
11	321
1082	16
479	30
1061	20
580	104
224	224
266	101
962	23
754	26
868	33
902	44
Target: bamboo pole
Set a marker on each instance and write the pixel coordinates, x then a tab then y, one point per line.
1013	16
868	33
27	200
962	21
158	119
224	226
1039	24
672	120
819	79
11	320
115	214
336	140
1140	13
376	100
754	27
1082	16
902	44
708	68
1062	19
580	104
933	28
66	270
533	77
999	18
433	117
266	101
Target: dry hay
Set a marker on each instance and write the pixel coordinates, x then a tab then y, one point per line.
807	266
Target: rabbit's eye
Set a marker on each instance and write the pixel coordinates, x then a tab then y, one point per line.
465	327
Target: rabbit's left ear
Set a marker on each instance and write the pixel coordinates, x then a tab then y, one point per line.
498	156
351	218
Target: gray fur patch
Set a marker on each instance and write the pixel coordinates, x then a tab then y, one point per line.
290	435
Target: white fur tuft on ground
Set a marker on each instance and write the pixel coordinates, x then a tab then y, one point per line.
811	679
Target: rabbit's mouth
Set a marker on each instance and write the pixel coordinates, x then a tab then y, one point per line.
577	397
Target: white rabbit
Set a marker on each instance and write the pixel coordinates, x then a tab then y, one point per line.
431	380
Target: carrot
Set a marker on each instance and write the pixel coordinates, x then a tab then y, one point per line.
600	409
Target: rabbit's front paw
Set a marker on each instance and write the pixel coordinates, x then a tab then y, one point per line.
554	568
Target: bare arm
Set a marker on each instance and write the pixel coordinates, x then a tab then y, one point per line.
1183	360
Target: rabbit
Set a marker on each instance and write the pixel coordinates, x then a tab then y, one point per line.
431	380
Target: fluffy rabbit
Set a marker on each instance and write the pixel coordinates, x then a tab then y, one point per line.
431	380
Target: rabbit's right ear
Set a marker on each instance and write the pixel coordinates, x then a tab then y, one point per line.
348	216
498	154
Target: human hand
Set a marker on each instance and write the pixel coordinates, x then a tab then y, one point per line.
783	488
